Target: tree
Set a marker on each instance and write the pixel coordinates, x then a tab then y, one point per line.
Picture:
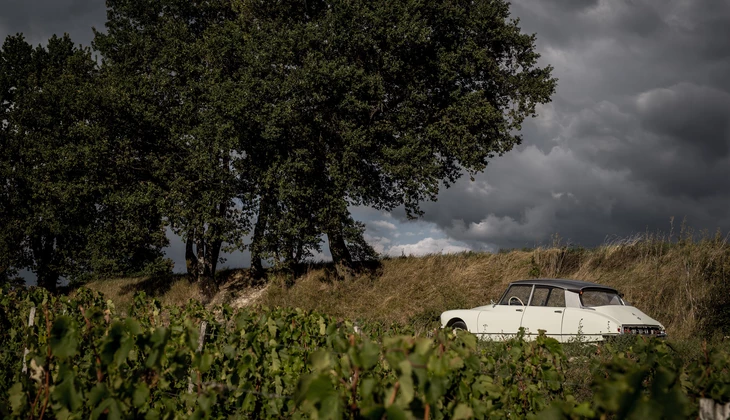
128	234
381	102
15	66
61	184
44	149
302	109
172	60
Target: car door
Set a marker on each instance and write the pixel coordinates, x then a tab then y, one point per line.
503	320
544	312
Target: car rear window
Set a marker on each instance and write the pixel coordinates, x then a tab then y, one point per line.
548	296
599	297
540	296
557	298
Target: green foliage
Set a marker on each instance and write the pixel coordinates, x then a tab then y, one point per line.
642	382
172	67
378	103
67	205
85	361
709	377
204	114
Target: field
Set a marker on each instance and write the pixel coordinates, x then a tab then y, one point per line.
78	358
307	345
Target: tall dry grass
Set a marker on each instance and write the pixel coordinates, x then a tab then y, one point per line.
681	279
172	290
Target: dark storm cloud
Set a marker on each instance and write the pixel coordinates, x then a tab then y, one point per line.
637	133
38	20
689	113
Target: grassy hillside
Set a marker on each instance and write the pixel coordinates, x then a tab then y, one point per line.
683	283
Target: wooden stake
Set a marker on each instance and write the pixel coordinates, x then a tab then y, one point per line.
31	319
201	339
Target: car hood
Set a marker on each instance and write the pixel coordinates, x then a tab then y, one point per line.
626	315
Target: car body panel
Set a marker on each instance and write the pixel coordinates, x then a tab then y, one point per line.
500	320
587	325
543	318
625	314
468	316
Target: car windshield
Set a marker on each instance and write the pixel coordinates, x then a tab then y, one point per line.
599	297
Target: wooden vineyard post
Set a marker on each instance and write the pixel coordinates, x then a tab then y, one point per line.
201	339
711	410
31	319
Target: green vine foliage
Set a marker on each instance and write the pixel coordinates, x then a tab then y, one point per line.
86	361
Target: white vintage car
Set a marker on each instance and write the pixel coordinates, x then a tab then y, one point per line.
565	309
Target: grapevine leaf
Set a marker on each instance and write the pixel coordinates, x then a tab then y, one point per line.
98	393
367	386
110	407
63	338
423	345
65	392
271	324
369	355
141	394
320	360
17	399
469	340
330	408
407	392
206	360
463	411
111	343
396	413
584	410
133	326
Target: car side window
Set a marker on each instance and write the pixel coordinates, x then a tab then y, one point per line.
557	298
540	296
519	291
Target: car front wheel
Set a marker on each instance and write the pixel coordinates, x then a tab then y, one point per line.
459	325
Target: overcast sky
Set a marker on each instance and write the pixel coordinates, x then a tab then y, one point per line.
638	131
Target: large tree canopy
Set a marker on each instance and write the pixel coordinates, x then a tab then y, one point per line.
379	103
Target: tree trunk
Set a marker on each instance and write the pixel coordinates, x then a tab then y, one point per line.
289	256
299	253
205	279
200	252
47	277
201	260
340	254
215	252
213	249
257	268
191	260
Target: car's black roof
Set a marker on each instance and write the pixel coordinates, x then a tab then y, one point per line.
563	283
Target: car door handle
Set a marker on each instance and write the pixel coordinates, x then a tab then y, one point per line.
518	310
558	312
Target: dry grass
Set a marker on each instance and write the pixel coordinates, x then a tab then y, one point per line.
173	290
683	282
